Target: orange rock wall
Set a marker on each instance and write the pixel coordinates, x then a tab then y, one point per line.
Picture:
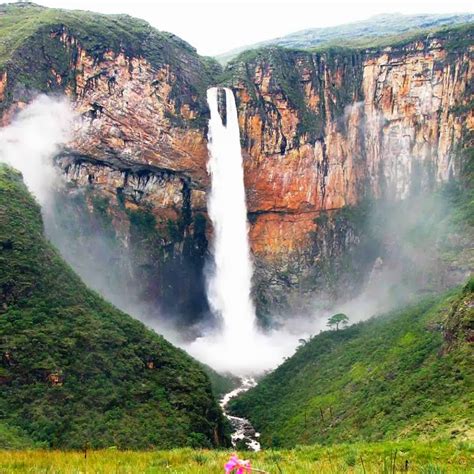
397	126
320	131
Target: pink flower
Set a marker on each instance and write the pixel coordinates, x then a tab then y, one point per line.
238	465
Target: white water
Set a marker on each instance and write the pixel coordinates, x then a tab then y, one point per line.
229	285
238	347
243	429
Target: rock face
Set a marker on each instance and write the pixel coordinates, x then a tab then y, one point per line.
324	131
130	114
147	227
394	127
136	166
141	140
320	132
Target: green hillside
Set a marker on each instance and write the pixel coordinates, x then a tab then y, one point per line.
377	29
407	374
75	371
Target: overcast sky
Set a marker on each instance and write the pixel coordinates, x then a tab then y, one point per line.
214	27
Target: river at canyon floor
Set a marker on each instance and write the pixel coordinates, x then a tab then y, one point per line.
243	431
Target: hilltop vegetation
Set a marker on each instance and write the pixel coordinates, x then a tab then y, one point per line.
76	371
379	29
407	374
34	57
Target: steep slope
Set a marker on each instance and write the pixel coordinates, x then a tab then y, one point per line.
74	370
379	28
407	374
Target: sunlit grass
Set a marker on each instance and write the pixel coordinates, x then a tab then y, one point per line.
354	458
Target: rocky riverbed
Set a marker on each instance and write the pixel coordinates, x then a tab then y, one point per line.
243	431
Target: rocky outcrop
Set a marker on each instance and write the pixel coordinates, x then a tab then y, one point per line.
131	116
146	227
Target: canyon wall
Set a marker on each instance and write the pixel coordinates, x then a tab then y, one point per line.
324	131
132	218
321	132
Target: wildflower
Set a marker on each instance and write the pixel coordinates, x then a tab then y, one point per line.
237	465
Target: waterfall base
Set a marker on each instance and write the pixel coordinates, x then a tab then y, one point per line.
244	357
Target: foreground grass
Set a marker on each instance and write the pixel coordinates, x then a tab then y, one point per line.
427	458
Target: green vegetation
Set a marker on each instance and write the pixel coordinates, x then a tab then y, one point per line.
14	438
221	383
75	371
456	36
338	319
405	375
375	458
97	33
376	31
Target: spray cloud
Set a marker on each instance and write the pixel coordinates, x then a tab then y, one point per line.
30	142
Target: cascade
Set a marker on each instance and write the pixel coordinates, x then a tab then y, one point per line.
229	286
238	346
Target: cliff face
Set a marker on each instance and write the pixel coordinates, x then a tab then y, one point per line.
323	131
377	124
320	132
141	143
136	166
130	114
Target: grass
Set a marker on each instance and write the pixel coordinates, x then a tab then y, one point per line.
428	458
96	32
454	35
450	33
376	33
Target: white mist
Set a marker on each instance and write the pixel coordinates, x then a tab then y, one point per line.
30	142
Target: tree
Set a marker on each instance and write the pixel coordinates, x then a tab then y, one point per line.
337	319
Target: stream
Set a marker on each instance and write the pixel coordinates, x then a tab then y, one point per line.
243	432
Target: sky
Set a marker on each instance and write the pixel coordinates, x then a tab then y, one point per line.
215	27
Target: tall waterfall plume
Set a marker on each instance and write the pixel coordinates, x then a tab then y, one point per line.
239	347
229	286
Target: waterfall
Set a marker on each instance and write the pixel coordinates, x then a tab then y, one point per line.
229	285
238	346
